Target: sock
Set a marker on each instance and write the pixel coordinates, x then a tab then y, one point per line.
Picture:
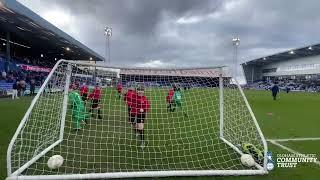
141	135
134	128
91	111
99	114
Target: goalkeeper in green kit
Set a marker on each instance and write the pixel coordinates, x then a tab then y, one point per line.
78	109
251	149
177	100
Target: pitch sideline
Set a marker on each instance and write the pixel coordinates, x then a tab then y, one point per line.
291	150
295	139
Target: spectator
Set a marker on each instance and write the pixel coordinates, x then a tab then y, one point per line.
21	87
15	90
50	86
32	87
275	90
4	75
287	89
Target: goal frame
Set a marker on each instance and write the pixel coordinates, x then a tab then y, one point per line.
261	170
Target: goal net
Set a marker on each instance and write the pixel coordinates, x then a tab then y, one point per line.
119	122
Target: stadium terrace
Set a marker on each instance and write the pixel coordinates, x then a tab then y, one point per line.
198	72
296	69
27	35
300	62
30	46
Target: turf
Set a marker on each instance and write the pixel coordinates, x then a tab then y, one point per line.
306	147
174	142
293	115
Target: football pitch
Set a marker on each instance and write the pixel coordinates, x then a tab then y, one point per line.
294	115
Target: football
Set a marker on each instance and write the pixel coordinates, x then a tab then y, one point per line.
247	160
55	162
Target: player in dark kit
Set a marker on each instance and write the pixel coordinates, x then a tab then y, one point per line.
95	96
140	107
275	91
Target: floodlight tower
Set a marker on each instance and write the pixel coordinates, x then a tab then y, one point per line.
108	34
236	43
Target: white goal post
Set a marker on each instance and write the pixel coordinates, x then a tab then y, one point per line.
198	130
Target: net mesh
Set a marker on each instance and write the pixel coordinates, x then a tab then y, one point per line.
177	136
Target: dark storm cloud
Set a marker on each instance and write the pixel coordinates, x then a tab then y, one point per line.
137	16
136	25
188	32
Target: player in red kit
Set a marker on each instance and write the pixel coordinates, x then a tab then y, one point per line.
169	99
119	89
128	99
139	109
84	92
95	96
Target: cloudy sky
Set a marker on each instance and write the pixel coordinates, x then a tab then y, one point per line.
185	32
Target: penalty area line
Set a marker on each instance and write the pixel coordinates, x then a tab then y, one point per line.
291	150
296	139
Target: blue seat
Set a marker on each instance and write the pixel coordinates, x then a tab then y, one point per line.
6	86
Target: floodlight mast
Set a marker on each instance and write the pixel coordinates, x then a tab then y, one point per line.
108	34
236	43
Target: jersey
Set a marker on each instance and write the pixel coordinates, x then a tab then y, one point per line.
96	93
275	89
128	98
84	90
139	103
119	88
78	108
76	102
249	148
177	98
170	96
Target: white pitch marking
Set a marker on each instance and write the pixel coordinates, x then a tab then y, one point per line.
296	139
291	150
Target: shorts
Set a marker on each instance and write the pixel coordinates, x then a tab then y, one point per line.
95	103
84	96
140	118
178	103
169	101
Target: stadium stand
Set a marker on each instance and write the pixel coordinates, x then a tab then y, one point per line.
159	77
293	70
30	46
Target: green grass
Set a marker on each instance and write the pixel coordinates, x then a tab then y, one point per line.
174	142
293	115
307	147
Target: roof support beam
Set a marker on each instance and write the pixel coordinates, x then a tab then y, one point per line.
8	55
